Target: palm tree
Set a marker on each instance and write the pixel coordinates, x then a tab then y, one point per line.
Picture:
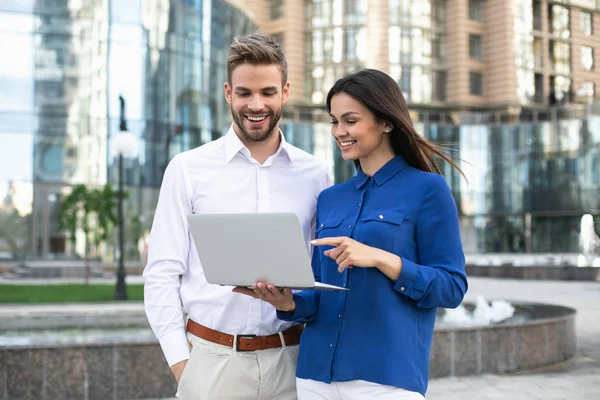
75	214
93	211
104	206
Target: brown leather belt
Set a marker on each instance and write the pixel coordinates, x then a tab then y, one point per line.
291	337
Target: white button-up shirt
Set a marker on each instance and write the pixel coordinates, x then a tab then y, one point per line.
220	177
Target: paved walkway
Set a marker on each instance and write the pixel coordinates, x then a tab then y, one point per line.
578	379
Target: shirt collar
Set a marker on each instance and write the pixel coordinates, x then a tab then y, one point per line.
234	145
385	173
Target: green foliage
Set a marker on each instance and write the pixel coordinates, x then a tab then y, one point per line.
13	230
93	211
104	204
74	212
72	293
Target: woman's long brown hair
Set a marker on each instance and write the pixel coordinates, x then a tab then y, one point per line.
383	97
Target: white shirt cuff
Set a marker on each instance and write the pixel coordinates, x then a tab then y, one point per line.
175	346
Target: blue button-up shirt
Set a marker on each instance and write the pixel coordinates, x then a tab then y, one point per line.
380	330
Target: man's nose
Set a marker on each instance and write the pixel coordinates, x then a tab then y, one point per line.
256	104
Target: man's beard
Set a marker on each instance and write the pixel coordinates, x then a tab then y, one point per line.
255	135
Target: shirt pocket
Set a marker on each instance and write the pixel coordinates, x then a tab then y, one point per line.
328	228
383	229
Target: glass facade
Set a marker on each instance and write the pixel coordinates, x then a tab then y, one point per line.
59	103
527	51
416	42
528	185
336	43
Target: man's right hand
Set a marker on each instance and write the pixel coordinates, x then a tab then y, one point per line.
281	299
177	369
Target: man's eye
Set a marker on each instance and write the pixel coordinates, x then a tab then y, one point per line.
350	122
243	94
269	94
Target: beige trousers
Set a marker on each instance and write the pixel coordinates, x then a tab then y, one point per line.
215	372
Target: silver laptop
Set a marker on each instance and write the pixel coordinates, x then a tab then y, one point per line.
242	249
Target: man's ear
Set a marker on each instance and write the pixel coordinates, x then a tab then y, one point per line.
227	88
285	93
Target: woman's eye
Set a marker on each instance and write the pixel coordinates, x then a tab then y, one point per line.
350	122
333	122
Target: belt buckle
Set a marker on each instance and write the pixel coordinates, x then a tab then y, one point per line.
237	341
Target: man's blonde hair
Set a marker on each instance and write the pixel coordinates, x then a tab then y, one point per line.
256	49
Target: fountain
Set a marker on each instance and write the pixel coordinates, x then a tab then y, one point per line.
483	314
110	352
589	243
500	337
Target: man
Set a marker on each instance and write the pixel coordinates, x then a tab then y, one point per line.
250	169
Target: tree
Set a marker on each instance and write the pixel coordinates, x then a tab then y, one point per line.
74	214
104	206
93	211
13	230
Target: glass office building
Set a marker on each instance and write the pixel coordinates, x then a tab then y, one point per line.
65	64
531	176
528	181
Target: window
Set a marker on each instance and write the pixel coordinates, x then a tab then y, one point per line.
475	7
587	90
587	58
586	22
476	83
475	46
537	15
439	86
276	9
560	57
560	87
355	11
559	21
350	44
539	88
538	53
405	82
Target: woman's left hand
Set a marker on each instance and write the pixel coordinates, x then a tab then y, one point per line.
348	252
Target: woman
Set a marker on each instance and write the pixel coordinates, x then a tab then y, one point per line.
391	236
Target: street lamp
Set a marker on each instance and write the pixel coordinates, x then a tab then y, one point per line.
123	144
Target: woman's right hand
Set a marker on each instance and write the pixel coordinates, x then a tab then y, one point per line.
281	299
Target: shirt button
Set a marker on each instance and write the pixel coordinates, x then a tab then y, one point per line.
322	225
380	216
402	289
339	315
349	226
330	345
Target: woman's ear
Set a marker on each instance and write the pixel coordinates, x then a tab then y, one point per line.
387	127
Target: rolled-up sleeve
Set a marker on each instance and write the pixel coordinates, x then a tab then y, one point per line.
168	251
437	278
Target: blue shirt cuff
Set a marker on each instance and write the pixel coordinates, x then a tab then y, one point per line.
405	283
302	312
